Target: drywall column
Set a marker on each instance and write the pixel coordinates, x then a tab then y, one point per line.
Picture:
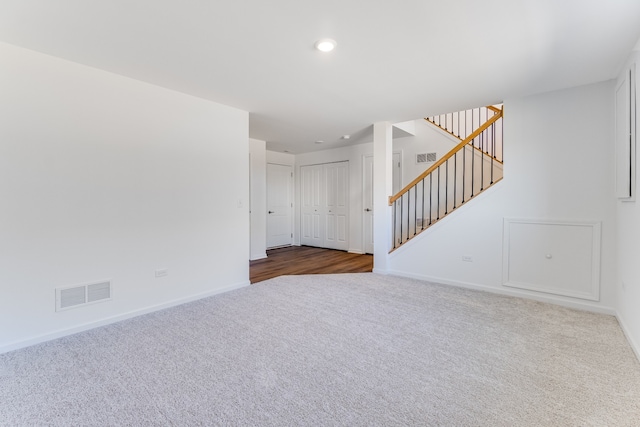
258	170
382	187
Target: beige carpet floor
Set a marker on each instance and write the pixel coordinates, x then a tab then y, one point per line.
333	350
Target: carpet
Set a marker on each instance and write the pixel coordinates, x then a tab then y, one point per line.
333	350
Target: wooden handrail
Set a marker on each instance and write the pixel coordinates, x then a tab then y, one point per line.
494	109
450	154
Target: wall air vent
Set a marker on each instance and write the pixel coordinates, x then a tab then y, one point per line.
425	158
80	295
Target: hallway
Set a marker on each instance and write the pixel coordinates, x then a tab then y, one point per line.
293	260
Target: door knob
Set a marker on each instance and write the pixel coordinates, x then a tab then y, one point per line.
271	212
367	210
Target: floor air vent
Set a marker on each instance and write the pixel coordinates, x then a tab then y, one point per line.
76	296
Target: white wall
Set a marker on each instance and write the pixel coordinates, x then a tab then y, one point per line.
105	177
258	178
558	166
628	284
427	139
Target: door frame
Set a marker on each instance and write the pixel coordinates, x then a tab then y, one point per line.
397	186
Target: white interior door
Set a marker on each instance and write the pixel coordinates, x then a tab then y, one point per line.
324	205
311	232
367	196
336	189
279	205
367	204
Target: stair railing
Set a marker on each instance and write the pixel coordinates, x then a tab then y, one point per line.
461	124
469	168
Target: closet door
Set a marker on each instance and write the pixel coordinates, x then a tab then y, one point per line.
336	196
324	210
311	233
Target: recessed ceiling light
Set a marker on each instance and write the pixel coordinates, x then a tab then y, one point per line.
325	45
319	141
346	136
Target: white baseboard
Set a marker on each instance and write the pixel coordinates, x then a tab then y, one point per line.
258	256
633	343
586	306
355	251
109	320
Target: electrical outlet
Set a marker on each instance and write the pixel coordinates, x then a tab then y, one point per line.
467	258
162	272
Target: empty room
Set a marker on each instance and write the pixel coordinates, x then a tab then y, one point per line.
481	154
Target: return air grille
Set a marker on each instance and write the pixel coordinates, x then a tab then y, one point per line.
425	157
77	296
98	291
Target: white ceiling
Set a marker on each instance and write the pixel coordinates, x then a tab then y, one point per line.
395	60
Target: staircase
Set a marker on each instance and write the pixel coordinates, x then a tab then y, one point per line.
471	167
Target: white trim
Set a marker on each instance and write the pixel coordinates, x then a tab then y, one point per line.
635	346
579	305
594	292
262	255
109	320
355	251
288	245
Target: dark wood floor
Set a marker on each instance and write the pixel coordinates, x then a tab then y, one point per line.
307	260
